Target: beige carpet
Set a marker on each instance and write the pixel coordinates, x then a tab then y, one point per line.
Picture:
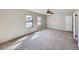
49	40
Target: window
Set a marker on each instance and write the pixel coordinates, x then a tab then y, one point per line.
38	21
29	21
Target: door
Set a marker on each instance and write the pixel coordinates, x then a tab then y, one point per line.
68	23
74	32
75	26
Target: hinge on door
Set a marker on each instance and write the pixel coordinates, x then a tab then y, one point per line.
75	35
75	14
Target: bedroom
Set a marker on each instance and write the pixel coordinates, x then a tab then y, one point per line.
35	29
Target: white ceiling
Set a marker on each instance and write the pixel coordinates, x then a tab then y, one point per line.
43	11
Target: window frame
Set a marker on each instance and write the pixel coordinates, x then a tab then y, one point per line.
39	21
28	22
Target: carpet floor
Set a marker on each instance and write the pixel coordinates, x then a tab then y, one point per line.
49	39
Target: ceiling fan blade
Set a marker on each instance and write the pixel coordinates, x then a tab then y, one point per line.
49	12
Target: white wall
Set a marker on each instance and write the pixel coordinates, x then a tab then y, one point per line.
12	23
57	21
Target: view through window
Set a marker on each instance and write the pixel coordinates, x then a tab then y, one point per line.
38	21
29	21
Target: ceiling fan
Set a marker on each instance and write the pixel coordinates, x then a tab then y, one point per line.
49	12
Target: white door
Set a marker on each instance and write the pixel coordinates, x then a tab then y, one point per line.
75	26
74	32
68	23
